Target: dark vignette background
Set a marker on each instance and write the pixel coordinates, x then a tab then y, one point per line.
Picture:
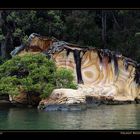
68	4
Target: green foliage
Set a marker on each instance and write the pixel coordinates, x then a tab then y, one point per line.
2	60
80	27
17	33
47	90
137	34
83	27
25	39
64	79
33	74
9	85
2	37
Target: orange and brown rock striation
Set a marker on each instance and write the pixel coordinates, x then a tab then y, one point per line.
99	72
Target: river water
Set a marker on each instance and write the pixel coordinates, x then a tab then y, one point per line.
103	117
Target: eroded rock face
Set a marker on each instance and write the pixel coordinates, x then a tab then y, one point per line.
99	73
69	99
64	99
102	74
66	96
22	99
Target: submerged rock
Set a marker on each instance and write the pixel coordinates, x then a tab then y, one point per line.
65	107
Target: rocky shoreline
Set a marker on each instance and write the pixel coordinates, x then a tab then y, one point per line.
70	99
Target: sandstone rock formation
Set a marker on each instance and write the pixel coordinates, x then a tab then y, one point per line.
22	100
99	72
25	100
64	99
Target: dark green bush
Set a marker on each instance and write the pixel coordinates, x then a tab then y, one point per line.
2	60
33	74
64	79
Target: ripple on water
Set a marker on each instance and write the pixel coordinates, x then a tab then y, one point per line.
104	117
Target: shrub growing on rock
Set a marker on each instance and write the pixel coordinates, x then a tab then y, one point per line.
64	79
33	74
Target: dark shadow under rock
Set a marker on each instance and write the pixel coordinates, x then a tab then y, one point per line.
137	100
4	97
92	101
95	101
22	105
4	103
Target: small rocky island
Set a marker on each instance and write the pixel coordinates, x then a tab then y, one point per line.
103	76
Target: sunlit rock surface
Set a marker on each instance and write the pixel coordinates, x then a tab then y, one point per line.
64	99
100	73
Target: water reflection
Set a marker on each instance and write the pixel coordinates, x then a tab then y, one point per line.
3	117
97	118
104	117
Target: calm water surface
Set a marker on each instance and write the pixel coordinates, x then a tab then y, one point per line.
104	117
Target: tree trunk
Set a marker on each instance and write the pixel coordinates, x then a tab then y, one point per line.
1	20
104	28
3	49
6	46
115	20
8	28
28	98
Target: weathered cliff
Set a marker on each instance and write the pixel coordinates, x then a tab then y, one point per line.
99	72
